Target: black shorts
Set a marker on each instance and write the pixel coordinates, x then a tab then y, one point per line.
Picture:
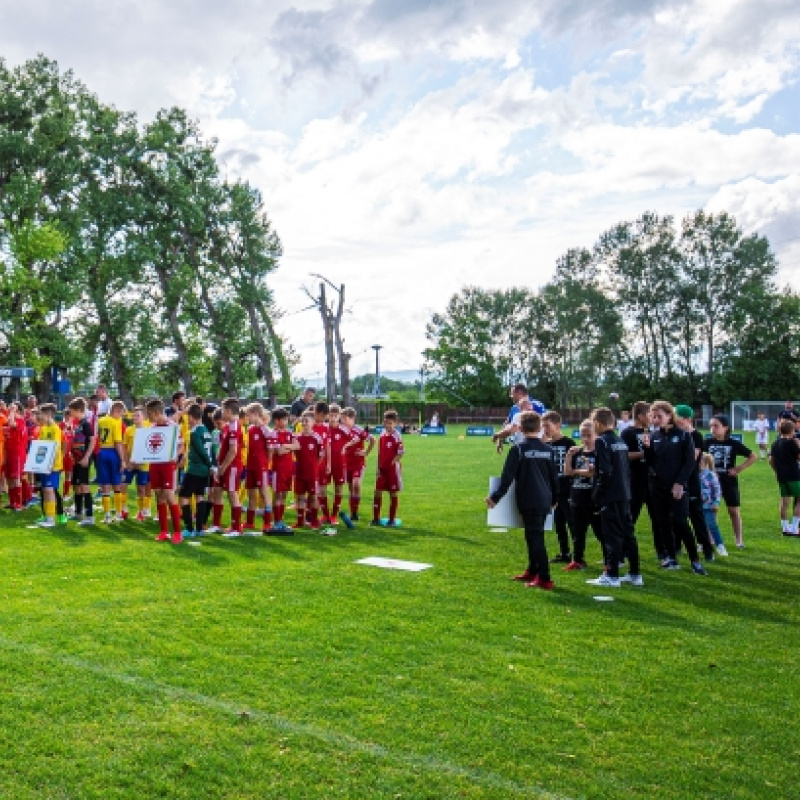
193	485
730	491
80	475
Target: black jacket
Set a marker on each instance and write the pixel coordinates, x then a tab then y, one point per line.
612	474
670	456
531	465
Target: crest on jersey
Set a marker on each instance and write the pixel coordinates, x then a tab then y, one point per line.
41	452
155	442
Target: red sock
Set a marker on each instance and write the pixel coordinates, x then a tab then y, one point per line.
267	518
15	496
236	518
175	511
323	501
163	518
376	508
67	486
27	493
393	501
217	517
313	515
301	516
251	517
279	509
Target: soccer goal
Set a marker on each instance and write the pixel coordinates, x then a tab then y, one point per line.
745	412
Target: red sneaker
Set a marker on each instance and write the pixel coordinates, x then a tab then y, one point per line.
334	519
140	517
548	586
162	537
525	576
177	538
315	526
534	582
575	565
326	520
124	515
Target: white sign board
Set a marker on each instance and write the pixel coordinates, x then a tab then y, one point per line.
506	514
394	563
157	445
40	457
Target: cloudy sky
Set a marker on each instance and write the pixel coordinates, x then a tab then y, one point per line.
409	147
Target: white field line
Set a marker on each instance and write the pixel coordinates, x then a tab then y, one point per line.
340	740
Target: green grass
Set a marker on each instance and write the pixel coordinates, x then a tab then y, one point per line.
278	668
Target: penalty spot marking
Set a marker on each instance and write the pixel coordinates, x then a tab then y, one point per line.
394	563
341	740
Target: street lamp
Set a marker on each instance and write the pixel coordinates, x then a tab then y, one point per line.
377	349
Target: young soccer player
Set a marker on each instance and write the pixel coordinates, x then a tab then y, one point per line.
783	458
532	467
711	493
83	440
16	441
200	463
761	427
725	450
50	432
322	430
258	479
162	479
230	462
357	451
562	517
111	462
66	446
611	493
244	428
670	455
282	447
216	493
339	438
307	469
579	467
632	436
389	475
138	472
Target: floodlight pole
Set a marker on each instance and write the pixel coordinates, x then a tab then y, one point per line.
377	349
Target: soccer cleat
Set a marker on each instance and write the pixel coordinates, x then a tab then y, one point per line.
124	515
334	519
354	517
188	534
392	523
534	582
140	517
326	520
673	564
375	523
698	568
787	532
46	523
575	565
348	521
177	538
548	586
214	529
524	576
562	558
87	521
721	550
633	580
63	519
108	519
162	537
232	533
605	581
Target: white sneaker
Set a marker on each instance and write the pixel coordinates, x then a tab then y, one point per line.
47	523
214	529
87	521
633	580
721	550
107	519
604	580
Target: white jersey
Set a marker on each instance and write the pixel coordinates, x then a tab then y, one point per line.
761	427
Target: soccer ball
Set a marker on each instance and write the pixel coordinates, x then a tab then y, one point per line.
613	396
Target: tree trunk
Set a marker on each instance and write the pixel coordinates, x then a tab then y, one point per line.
277	351
228	375
344	358
264	355
330	360
174	327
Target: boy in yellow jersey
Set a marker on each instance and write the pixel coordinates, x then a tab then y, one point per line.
50	432
140	472
111	460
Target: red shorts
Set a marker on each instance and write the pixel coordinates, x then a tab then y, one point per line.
389	479
14	463
282	481
257	478
339	474
229	480
355	469
304	486
163	476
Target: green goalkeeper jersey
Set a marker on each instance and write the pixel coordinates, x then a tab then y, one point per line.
201	452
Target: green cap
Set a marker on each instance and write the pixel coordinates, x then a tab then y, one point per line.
684	412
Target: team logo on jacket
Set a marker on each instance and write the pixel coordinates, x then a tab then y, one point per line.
155	443
40	454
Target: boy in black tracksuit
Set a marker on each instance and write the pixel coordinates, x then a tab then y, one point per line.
531	465
670	454
612	495
562	515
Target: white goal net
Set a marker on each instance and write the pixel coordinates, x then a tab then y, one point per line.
745	412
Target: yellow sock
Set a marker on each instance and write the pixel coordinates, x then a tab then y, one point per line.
106	504
50	508
119	503
243	493
193	504
140	503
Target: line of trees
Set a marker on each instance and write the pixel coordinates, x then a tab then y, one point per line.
123	251
690	312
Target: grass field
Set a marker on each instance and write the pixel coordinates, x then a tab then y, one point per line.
278	668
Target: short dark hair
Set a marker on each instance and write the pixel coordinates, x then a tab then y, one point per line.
552	416
78	404
530	422
231	404
177	396
391	414
519	387
321	407
156	404
196	411
787	426
280	413
604	415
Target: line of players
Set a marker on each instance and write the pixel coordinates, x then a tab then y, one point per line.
229	452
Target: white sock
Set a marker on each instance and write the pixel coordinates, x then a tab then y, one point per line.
795	521
784	525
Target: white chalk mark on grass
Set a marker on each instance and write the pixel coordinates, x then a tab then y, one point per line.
340	740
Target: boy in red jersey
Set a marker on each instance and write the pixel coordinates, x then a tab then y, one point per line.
162	479
322	430
307	468
389	476
356	450
231	444
258	462
339	436
282	446
16	440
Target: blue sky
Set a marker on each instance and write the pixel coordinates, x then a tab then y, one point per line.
409	148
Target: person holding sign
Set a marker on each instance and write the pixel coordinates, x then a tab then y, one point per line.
141	472
532	467
110	462
162	479
50	432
